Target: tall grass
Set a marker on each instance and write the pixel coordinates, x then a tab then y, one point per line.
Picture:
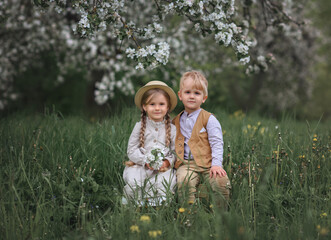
62	178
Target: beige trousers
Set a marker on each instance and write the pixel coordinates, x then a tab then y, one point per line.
189	176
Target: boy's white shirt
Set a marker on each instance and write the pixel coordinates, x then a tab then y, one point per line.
203	130
217	156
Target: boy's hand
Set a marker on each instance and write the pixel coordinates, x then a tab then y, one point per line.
214	170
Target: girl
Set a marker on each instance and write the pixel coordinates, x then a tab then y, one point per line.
148	175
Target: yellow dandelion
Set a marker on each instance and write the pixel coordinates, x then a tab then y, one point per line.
211	205
154	233
315	135
275	152
190	202
181	210
249	126
315	139
223	132
262	130
145	218
239	114
323	214
134	228
318	227
324	231
258	123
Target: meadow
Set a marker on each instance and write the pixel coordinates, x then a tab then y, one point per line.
61	178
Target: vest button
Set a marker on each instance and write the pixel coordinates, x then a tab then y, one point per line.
154	140
180	144
180	152
156	129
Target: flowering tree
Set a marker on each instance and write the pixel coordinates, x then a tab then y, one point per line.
111	38
281	70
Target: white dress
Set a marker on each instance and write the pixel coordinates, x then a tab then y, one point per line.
142	184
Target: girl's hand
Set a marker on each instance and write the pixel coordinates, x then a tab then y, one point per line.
165	165
148	166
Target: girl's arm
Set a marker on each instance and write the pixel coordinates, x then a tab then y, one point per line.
136	154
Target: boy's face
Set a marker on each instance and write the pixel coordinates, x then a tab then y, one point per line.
191	97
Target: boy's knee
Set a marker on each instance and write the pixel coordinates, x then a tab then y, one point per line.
181	175
222	184
222	181
187	180
180	179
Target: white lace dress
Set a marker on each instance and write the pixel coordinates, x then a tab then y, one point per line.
144	185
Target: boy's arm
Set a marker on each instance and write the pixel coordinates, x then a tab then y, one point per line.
215	139
135	153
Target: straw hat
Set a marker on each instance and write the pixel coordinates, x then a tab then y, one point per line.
156	84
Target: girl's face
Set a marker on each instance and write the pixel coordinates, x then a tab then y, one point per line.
156	107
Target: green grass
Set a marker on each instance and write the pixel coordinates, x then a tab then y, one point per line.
62	178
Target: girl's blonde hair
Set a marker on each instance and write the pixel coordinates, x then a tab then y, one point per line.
200	81
147	97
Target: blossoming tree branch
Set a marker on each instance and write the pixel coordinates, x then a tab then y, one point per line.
121	39
209	17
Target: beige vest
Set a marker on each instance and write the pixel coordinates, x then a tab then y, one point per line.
198	143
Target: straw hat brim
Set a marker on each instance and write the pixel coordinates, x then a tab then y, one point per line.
156	84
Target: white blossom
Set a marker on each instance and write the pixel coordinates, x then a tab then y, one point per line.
130	52
140	66
107	39
245	60
157	27
142	52
156	156
243	49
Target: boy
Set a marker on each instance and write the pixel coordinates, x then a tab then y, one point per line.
199	142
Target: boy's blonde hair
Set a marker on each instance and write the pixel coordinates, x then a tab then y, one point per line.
200	81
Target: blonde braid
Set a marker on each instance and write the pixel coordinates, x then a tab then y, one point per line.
141	136
142	129
168	129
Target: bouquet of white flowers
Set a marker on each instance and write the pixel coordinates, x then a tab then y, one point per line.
155	157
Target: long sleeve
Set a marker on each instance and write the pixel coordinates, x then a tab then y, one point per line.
215	138
135	153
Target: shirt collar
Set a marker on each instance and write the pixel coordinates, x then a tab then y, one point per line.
192	114
153	123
